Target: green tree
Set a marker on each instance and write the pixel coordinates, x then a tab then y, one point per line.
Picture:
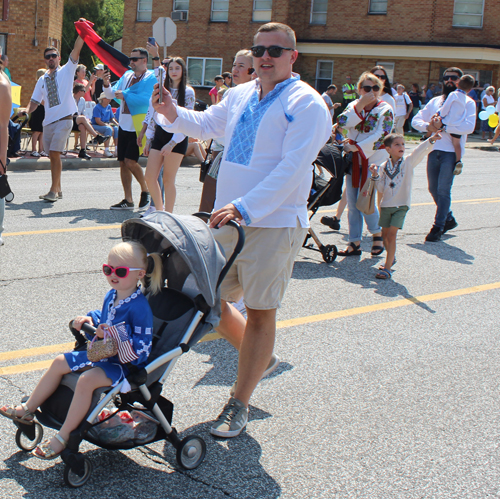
107	16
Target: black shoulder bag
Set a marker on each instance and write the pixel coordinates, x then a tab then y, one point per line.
206	164
5	190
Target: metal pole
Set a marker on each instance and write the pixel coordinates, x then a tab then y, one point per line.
165	38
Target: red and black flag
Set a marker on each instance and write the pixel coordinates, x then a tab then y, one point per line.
114	59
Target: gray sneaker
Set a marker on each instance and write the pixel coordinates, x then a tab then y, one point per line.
231	420
43	196
271	367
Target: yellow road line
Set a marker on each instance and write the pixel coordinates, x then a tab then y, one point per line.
466	201
55	231
32	352
117	226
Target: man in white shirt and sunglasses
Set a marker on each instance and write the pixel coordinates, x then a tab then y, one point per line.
274	127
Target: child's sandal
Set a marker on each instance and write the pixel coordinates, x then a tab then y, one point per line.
384	274
11	413
44	450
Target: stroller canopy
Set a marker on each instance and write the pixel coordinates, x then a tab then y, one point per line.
190	237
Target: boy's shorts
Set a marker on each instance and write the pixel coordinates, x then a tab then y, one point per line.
393	217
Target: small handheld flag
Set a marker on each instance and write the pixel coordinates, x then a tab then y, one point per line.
125	351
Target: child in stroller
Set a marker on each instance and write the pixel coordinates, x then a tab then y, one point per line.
128	262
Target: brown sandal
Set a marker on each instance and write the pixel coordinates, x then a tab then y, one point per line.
46	452
11	413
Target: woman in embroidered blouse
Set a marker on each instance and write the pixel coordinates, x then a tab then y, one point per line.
168	148
367	121
123	304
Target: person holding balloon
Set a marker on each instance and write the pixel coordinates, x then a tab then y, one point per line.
493	120
489	103
453	112
441	161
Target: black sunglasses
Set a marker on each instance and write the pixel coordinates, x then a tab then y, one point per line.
50	56
451	77
274	51
135	59
369	88
382	77
165	63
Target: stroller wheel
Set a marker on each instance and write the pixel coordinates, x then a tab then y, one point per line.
329	253
29	442
73	479
191	452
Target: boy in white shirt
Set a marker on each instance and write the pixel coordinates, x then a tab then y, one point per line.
394	180
453	112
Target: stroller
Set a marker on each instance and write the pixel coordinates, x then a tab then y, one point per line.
325	193
185	310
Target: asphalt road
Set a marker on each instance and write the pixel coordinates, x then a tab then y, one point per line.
387	389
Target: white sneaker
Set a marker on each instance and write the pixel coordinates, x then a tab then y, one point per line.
150	210
1	241
107	153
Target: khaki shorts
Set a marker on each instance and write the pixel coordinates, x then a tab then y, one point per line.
263	269
55	135
394	216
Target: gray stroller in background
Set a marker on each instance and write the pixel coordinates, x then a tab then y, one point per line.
185	310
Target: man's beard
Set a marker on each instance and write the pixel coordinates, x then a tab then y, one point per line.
447	89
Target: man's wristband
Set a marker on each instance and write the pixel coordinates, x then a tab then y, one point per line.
155	58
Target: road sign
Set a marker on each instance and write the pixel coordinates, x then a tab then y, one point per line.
165	31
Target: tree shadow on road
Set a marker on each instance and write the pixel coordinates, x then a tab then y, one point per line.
358	271
445	251
43	209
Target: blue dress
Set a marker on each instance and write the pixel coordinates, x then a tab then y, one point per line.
136	313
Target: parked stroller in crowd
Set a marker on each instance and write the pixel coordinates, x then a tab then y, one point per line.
326	193
184	311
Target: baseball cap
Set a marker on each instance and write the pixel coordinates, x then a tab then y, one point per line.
99	66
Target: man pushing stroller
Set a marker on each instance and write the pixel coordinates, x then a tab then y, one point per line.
280	124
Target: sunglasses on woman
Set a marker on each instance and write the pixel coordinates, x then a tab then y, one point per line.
120	272
369	88
274	51
50	56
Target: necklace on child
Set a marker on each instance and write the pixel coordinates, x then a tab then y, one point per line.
393	171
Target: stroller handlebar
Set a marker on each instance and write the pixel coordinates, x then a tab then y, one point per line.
87	328
237	248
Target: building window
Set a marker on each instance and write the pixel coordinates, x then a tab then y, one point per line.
378	7
3	43
389	69
262	10
318	11
181	4
324	75
202	71
144	8
220	9
468	13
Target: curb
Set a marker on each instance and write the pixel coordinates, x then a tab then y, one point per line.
75	163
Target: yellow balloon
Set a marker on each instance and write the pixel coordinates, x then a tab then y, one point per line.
493	120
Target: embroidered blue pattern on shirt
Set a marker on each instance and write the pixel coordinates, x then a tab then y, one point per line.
243	140
237	204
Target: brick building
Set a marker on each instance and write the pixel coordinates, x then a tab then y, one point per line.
415	41
27	27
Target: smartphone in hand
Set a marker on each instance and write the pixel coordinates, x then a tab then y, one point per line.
152	41
161	78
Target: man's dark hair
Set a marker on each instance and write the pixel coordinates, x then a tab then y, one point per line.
466	83
454	70
331	87
227	74
3	57
51	49
142	51
218	78
78	88
391	138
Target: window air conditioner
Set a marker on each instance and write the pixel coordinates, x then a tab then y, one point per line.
179	15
